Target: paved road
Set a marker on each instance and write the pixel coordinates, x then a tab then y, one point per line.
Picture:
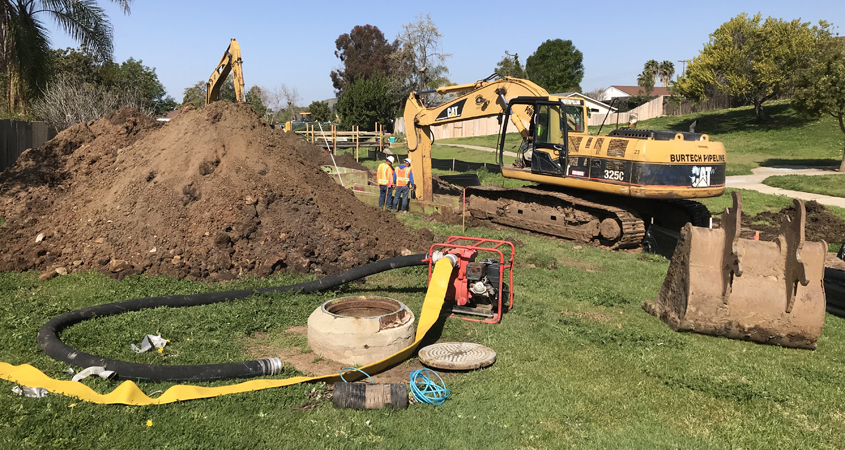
754	182
478	147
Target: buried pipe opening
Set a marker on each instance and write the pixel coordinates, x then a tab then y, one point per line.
388	312
360	330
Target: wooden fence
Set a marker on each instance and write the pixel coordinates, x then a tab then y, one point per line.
332	139
17	136
482	126
645	111
686	106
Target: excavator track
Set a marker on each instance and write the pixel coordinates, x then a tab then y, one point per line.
699	214
557	214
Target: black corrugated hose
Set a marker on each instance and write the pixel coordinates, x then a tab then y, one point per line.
48	336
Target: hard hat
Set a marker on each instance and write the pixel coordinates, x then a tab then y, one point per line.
407	160
390	158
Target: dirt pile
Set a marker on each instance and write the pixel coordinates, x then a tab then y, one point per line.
342	160
213	193
821	223
444	187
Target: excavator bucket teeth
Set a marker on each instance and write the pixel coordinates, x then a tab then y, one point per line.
770	292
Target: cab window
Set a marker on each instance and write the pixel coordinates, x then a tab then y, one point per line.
547	123
575	119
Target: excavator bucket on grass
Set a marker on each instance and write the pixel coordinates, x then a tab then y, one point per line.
724	285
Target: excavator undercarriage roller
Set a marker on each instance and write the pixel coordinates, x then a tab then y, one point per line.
723	285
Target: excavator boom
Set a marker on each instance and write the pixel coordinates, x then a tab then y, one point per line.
231	62
484	98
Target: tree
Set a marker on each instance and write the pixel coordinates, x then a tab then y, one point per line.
651	67
67	100
364	53
557	66
596	94
418	62
25	47
646	80
289	96
320	111
132	75
77	64
253	97
510	66
77	74
749	59
820	88
196	94
365	102
666	70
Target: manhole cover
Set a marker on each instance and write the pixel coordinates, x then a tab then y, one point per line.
457	356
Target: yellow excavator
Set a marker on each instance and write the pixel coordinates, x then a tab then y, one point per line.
230	62
601	189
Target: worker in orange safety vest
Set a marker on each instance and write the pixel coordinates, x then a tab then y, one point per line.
404	182
385	183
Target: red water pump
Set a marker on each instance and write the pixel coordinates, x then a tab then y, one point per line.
477	288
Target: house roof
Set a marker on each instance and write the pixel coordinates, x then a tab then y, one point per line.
589	99
172	114
639	90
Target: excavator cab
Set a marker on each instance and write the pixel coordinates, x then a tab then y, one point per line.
545	145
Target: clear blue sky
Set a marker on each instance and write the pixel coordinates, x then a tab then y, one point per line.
293	42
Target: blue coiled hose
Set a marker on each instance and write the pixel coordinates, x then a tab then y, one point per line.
426	390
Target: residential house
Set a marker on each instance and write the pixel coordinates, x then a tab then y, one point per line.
592	104
628	91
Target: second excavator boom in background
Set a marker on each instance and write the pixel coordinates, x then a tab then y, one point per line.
230	62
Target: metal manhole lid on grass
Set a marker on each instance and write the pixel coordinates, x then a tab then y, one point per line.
457	356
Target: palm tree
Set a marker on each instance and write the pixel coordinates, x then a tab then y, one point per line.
25	44
666	69
651	67
646	80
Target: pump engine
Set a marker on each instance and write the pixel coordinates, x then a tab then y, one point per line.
477	288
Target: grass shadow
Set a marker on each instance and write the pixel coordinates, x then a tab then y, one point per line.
742	119
812	162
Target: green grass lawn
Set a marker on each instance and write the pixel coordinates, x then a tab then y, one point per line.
818	184
580	365
790	139
753	202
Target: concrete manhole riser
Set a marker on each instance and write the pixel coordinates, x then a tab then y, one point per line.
360	330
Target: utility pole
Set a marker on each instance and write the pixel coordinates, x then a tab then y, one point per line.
684	69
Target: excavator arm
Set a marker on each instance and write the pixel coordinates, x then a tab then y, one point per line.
231	62
484	98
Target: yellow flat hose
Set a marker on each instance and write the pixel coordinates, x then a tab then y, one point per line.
128	393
